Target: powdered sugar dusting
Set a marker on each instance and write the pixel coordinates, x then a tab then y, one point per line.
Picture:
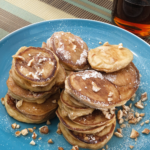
60	51
110	77
83	57
33	75
90	74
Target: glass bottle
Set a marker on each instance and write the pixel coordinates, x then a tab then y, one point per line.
132	15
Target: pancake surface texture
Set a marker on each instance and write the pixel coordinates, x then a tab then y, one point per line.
35	68
70	49
93	89
19	93
96	141
109	58
31	112
84	128
126	80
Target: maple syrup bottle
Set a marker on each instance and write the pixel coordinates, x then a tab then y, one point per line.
132	15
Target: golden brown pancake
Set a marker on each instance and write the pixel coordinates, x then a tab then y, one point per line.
60	78
31	112
109	58
70	49
126	81
35	68
96	141
73	113
70	102
19	93
92	89
92	120
71	125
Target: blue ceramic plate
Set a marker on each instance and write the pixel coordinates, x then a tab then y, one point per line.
92	32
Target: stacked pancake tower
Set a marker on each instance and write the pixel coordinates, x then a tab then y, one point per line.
97	82
33	85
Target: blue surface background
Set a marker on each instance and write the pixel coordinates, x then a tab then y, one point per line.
92	32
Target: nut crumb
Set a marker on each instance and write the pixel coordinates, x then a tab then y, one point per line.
134	134
106	146
130	105
142	114
106	44
2	100
30	62
118	134
95	88
30	130
44	130
110	99
147	121
131	146
119	114
126	108
139	104
110	94
34	135
130	116
50	141
137	114
119	130
17	126
58	131
48	122
14	125
125	113
19	103
139	119
120	46
100	42
39	138
122	126
34	128
146	131
60	148
24	132
121	121
17	133
135	139
19	57
144	96
133	97
133	121
75	147
103	148
32	143
142	124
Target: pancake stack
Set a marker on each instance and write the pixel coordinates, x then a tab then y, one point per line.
34	85
87	105
81	124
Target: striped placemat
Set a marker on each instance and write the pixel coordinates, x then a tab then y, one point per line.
15	14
